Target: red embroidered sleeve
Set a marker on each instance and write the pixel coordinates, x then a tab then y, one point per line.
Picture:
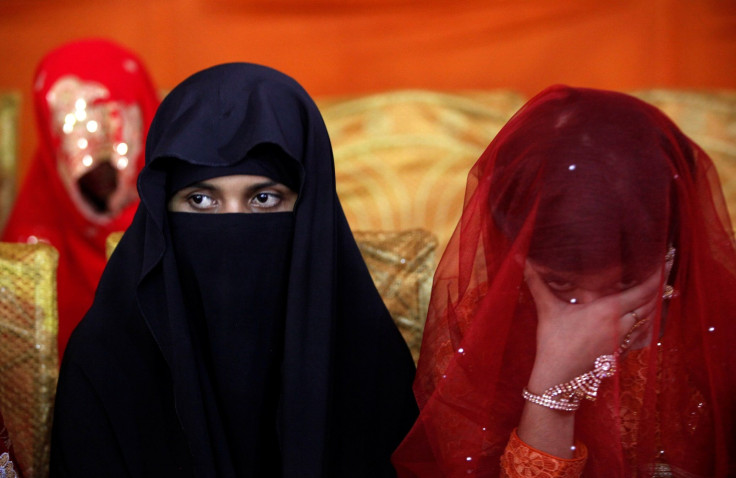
520	460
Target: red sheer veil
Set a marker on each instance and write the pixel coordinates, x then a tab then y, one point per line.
580	181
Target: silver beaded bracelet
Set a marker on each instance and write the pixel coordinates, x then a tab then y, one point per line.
567	396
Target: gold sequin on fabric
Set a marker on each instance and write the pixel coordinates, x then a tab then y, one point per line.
28	356
92	129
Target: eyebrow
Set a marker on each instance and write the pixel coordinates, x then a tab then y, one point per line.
555	277
200	185
551	275
265	184
211	187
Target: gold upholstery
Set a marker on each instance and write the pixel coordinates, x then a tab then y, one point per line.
401	265
112	242
9	103
28	350
402	157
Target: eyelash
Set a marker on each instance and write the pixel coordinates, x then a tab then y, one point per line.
560	286
193	199
563	286
269	195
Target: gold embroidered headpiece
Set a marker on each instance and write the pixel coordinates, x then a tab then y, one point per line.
91	130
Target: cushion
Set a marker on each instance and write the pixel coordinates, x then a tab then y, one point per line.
28	356
402	157
9	103
402	266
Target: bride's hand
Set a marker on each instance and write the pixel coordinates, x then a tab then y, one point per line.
571	336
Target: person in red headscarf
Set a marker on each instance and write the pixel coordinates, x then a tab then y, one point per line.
580	322
94	101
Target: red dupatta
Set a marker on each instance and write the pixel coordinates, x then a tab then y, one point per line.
582	181
94	101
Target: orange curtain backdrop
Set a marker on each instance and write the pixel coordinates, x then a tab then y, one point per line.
338	47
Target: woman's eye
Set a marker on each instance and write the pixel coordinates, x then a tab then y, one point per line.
200	201
627	284
560	286
266	200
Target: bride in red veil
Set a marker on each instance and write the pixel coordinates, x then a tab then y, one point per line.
582	315
94	100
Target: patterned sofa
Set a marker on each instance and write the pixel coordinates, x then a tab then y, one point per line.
401	161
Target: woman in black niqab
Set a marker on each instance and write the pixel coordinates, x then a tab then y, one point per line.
235	344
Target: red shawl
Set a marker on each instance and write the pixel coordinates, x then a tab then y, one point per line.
582	181
94	101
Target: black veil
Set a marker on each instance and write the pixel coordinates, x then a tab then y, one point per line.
344	397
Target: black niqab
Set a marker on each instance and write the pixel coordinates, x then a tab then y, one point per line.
323	386
233	270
